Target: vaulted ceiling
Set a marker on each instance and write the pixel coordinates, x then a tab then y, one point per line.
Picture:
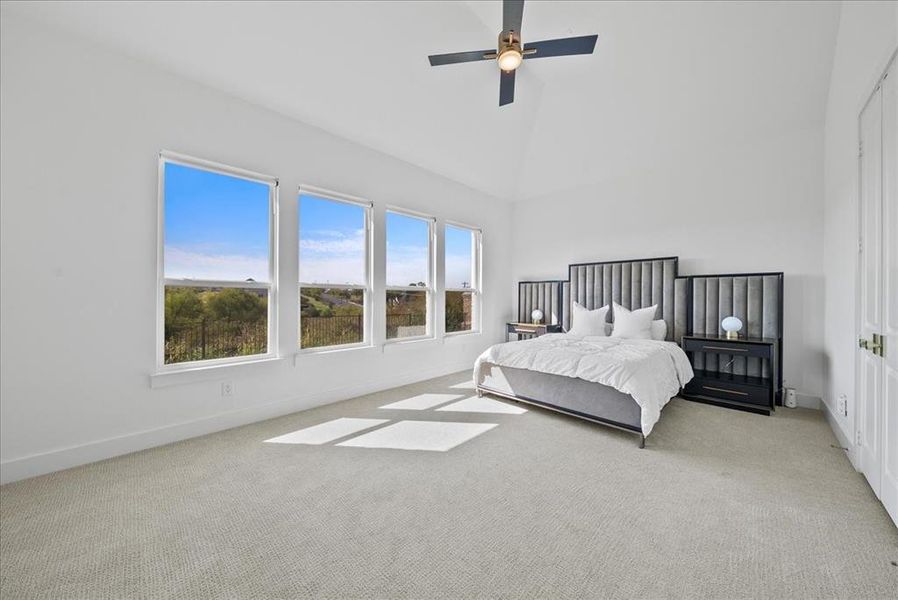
664	76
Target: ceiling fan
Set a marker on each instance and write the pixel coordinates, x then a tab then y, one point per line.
511	52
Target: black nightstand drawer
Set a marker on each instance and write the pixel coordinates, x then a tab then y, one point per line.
725	347
529	330
736	388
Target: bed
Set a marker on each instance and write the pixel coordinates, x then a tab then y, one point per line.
620	383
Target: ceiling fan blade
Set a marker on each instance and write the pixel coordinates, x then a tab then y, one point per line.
562	47
460	57
512	13
506	87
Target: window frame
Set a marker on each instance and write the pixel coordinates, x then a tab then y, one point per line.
368	206
429	288
476	279
165	157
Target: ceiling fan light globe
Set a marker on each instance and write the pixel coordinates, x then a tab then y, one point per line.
510	59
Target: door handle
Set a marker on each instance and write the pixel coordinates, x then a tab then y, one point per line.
878	346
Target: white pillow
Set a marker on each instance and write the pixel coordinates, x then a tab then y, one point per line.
634	325
588	322
659	329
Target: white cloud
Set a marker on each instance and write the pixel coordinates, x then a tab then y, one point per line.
334	243
333	270
406	264
187	263
458	271
332	257
338	259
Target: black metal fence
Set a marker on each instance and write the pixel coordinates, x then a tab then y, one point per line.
458	322
331	331
349	329
223	339
215	339
395	321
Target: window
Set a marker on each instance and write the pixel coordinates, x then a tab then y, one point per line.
409	272
333	270
217	263
462	278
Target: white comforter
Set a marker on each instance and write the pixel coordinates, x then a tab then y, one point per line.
652	372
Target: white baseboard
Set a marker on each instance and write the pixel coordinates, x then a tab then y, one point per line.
66	458
805	401
851	449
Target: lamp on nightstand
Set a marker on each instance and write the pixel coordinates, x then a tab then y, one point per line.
732	325
536	317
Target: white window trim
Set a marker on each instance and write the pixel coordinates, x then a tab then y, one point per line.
429	287
476	280
166	156
368	292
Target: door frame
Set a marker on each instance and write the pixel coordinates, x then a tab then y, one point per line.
855	455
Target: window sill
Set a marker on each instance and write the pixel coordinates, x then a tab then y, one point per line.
186	375
325	350
460	334
412	341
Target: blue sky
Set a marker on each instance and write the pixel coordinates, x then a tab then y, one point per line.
216	227
407	239
332	241
459	248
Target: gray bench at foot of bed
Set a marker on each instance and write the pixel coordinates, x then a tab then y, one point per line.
576	397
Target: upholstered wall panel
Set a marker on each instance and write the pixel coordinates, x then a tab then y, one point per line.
544	295
566	302
680	308
755	299
633	284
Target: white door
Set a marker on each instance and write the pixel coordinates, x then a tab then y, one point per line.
889	473
877	353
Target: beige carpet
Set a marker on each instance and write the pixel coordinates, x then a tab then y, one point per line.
721	504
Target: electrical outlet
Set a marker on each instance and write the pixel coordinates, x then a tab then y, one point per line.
858	441
843	405
227	389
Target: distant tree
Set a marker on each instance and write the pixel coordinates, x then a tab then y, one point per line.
236	305
183	307
347	309
455	311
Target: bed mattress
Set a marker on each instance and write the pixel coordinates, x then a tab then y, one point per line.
648	371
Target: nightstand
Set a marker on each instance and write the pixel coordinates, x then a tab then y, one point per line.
742	392
529	330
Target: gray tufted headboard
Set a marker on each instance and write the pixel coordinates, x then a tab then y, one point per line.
631	283
544	295
688	304
756	298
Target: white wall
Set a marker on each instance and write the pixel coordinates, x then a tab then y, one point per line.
748	203
82	127
868	34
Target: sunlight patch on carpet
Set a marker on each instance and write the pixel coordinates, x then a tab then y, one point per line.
483	405
326	432
422	401
420	435
464	385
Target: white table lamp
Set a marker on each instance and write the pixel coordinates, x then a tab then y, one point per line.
732	325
